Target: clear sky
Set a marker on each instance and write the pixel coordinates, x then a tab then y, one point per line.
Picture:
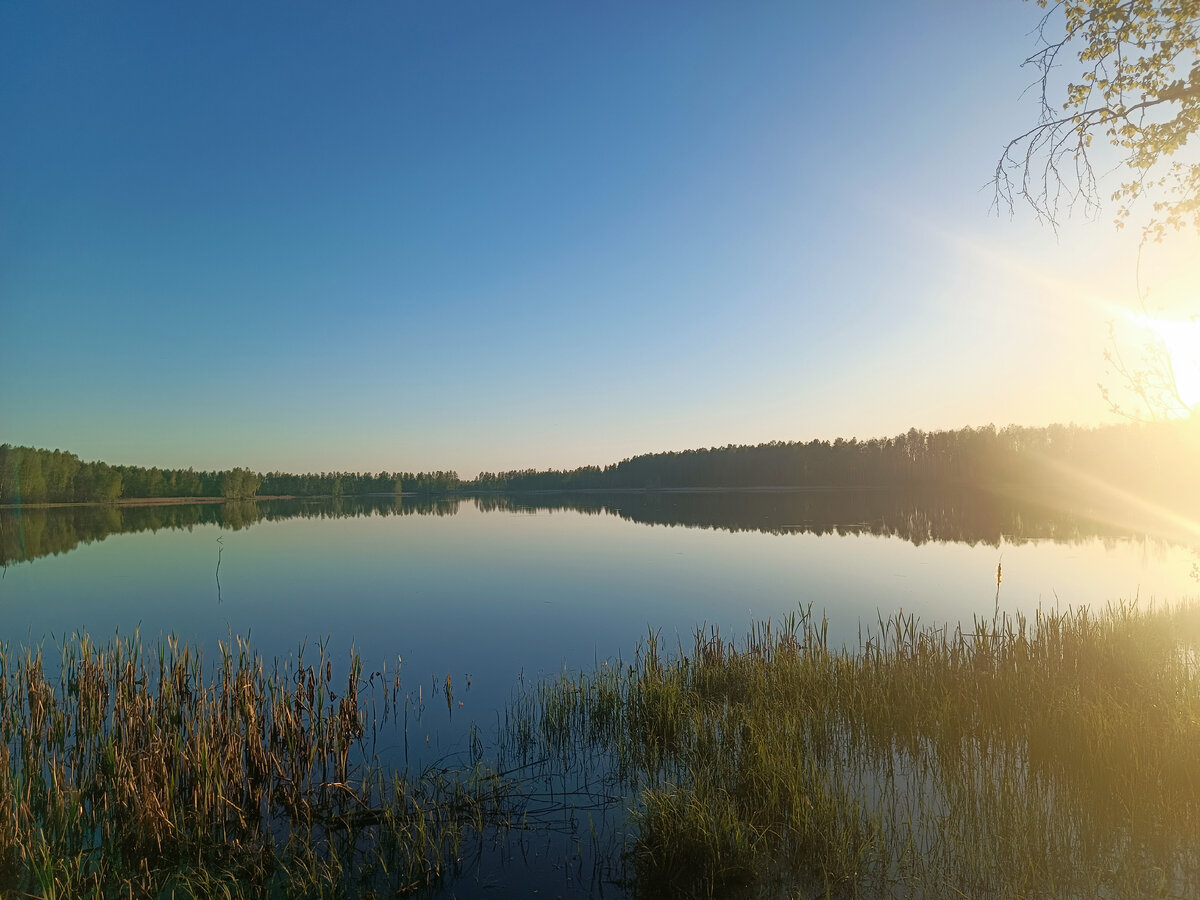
412	235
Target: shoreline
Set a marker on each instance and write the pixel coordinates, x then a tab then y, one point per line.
470	492
139	501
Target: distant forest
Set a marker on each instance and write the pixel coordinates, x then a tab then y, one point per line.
1150	459
29	475
1154	460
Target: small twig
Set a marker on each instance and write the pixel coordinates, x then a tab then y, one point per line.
220	550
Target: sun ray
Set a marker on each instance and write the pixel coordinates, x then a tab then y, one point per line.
1122	508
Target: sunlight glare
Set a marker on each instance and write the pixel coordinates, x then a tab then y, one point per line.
1182	341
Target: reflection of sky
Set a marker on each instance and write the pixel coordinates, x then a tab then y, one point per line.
492	595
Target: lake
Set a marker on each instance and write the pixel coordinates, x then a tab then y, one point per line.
494	591
496	587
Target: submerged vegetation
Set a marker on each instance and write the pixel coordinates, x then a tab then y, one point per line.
1052	757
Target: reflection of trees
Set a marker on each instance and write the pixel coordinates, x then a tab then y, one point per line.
26	534
41	532
959	515
350	507
238	514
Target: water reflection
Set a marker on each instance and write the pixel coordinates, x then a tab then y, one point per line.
951	516
498	590
26	534
967	517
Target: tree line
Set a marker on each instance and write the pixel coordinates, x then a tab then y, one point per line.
32	475
1148	459
1151	458
356	484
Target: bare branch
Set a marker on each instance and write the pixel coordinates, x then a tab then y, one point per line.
1125	92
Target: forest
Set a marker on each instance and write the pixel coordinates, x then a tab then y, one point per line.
31	475
1150	460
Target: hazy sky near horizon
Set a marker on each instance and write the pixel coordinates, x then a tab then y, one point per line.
404	236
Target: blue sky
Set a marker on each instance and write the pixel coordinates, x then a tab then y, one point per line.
406	236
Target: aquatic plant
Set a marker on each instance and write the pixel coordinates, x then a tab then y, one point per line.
136	771
1052	757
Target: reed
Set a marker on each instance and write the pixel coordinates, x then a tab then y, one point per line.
1052	757
137	771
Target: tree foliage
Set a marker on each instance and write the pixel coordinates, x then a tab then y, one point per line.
349	484
239	484
1136	85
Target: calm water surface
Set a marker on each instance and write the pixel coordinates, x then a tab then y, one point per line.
497	588
497	591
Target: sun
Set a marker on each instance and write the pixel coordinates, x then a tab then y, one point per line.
1181	339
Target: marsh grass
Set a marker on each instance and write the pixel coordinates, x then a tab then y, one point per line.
1052	757
139	772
